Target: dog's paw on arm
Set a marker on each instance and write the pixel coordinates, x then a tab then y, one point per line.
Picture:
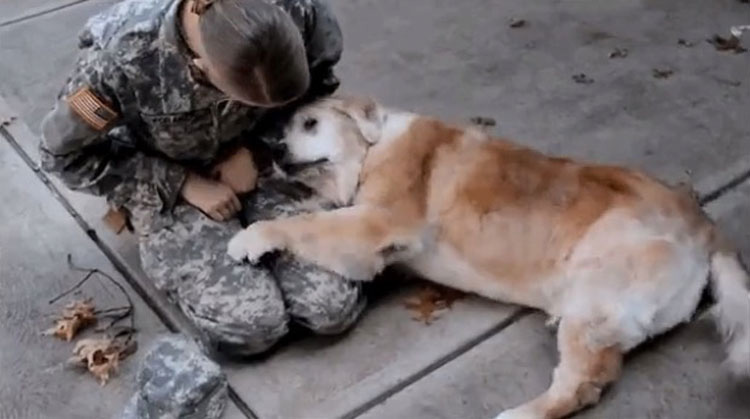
251	244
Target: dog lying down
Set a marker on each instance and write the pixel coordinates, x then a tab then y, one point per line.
615	255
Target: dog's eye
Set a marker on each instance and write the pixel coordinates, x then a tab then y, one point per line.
309	124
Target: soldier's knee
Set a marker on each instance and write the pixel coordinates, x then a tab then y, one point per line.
333	313
249	336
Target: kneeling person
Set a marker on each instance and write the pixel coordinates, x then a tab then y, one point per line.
152	118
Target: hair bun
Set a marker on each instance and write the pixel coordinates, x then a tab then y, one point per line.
200	6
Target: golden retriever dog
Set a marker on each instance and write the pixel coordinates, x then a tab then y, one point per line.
613	254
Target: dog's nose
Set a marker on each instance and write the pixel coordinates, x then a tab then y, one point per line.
280	151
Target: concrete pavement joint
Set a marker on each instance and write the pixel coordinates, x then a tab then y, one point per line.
40	13
408	381
723	189
243	407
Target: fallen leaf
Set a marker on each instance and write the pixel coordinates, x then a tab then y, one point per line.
685	43
7	122
727	44
517	23
102	356
483	121
75	316
618	53
431	299
582	79
737	31
733	83
116	220
662	73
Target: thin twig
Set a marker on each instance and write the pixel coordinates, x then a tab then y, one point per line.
115	314
75	287
110	310
89	273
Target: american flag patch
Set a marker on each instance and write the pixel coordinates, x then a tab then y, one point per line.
91	109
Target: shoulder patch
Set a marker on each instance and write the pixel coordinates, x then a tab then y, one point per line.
97	114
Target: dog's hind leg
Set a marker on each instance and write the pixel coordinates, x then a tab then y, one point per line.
583	372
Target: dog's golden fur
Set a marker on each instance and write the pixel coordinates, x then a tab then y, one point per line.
613	253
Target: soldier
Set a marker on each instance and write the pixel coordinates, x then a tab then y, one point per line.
156	116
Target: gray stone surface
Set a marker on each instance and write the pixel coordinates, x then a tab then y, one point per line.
678	375
328	378
233	412
733	212
460	58
177	380
36	234
12	10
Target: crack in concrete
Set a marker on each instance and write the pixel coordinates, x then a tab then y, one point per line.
465	347
723	189
39	13
243	407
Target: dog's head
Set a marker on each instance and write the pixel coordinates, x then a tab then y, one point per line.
336	129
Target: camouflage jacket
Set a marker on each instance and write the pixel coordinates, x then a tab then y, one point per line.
134	61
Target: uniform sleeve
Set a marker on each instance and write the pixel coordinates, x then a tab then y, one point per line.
94	151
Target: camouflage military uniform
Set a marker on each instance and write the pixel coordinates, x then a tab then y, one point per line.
135	61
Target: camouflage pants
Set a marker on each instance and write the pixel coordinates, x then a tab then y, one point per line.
243	309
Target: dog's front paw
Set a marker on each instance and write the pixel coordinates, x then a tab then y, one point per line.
251	243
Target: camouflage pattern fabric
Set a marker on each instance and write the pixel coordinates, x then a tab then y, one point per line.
176	380
134	61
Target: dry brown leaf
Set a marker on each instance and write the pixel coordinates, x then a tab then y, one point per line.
618	53
582	79
483	121
662	73
517	23
431	299
727	44
116	220
101	356
7	122
75	316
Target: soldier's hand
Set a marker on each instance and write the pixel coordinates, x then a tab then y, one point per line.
215	199
238	171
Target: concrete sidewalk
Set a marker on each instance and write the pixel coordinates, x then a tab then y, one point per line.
448	58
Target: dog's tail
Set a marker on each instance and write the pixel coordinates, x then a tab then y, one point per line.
730	281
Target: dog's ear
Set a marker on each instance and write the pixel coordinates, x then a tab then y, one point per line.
365	112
